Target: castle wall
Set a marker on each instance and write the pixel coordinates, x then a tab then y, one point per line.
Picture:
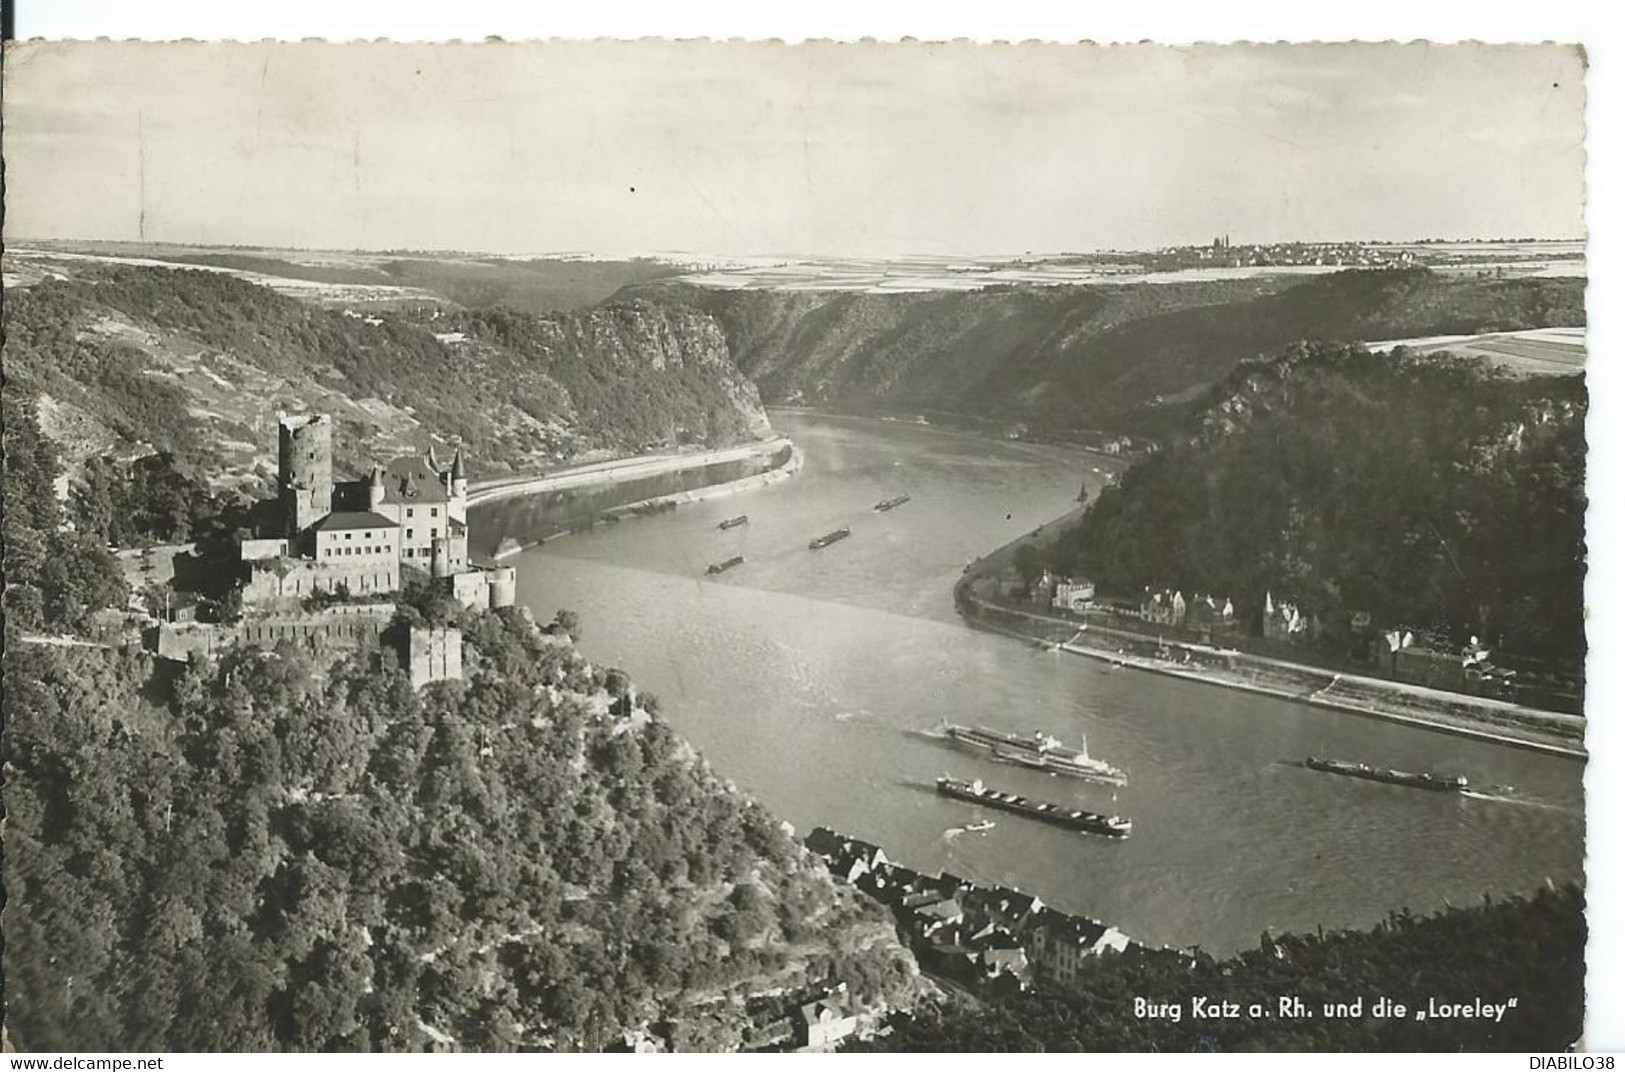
335	627
257	550
342	626
478	589
271	580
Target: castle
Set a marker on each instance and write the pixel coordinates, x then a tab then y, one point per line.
352	536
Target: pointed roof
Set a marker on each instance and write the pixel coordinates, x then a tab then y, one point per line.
457	466
411	480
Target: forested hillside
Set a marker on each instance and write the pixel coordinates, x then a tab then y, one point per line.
1531	950
1428	491
1121	357
198	363
272	854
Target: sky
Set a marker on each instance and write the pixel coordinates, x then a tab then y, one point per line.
772	150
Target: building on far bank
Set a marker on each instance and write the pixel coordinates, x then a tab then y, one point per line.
1074	596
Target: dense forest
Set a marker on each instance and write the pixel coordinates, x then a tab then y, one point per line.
271	851
1427	491
1124	357
56	578
1530	950
268	853
190	361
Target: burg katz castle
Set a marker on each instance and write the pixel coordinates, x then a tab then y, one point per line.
352	536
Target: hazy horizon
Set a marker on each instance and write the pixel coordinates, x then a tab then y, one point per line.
734	151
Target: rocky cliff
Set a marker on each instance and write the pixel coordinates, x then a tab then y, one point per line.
1128	357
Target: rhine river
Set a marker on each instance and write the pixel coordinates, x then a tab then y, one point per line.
807	677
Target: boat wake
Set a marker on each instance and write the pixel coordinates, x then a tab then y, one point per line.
1506	798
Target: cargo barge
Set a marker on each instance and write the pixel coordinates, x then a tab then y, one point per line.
1433	783
727	564
734	522
1113	826
829	538
891	504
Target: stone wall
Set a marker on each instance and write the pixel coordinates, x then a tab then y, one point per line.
271	580
434	655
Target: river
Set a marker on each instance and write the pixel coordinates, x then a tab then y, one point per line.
807	677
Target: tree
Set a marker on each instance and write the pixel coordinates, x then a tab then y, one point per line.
1027	564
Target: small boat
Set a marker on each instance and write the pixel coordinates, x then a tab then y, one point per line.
727	564
979	826
1435	783
890	504
734	522
829	538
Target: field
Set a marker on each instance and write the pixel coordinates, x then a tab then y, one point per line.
365	280
1537	352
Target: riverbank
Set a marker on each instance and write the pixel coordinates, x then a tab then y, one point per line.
1482	718
792	466
615	471
625	470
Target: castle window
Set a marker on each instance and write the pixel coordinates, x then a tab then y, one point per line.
433	532
409	514
434	511
409	531
347	535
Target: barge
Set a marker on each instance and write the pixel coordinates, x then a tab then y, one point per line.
1088	822
891	504
726	564
734	522
829	538
1433	783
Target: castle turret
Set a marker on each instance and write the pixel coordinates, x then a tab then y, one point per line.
305	471
375	489
440	558
459	476
458	507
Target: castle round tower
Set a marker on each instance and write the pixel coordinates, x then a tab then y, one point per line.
305	469
504	583
375	489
